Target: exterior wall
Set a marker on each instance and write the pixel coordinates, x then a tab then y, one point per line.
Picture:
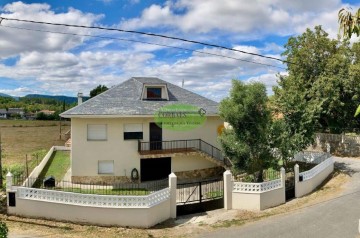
105	216
337	144
258	201
305	187
37	170
200	173
254	196
185	162
86	154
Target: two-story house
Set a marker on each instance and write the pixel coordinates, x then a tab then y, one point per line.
115	137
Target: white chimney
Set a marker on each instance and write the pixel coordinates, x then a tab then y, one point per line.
80	96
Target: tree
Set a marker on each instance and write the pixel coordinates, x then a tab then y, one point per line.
99	89
349	23
246	142
321	74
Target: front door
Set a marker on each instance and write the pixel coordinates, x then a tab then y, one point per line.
155	137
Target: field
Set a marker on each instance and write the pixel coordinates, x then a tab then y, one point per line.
20	138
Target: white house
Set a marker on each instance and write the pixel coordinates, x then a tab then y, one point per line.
115	137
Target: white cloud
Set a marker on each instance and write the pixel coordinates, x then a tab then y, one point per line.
250	19
15	41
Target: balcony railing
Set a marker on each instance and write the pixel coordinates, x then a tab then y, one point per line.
178	146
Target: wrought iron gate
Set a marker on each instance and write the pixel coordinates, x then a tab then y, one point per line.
199	196
290	185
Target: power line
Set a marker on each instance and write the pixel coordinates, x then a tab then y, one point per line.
144	42
147	34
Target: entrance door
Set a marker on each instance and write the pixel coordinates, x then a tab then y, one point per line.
155	169
155	137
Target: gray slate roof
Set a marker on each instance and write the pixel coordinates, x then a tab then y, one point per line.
125	100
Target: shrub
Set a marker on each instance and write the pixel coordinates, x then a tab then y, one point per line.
3	230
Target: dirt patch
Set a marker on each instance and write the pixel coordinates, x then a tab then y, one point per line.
185	226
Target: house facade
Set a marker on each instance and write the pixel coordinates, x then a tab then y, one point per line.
3	113
116	138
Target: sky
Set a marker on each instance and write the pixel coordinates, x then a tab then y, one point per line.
34	60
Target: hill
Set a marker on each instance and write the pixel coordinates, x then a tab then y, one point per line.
68	100
5	95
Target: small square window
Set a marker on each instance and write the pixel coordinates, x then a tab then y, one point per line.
106	167
133	131
153	93
96	132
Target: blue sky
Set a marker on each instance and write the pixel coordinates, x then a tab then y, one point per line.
58	64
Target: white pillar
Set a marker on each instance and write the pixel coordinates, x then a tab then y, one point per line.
172	186
228	190
9	180
297	174
283	179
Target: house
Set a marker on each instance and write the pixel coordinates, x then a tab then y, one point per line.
47	112
3	113
115	137
16	112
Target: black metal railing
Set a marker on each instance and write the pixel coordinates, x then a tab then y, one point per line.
138	189
174	146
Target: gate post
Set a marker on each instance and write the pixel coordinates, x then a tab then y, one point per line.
297	174
9	180
283	181
172	186
227	190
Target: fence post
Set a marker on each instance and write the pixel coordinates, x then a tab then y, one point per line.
297	174
172	186
227	190
283	181
9	180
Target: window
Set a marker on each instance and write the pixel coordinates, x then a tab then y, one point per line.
153	93
106	167
96	132
133	131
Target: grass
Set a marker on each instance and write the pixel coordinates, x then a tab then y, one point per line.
214	194
21	137
57	166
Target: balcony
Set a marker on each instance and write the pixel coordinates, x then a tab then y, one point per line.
181	146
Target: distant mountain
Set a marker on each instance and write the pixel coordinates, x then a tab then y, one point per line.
61	98
5	95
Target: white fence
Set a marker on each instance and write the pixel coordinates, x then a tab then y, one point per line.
93	200
105	210
253	196
308	181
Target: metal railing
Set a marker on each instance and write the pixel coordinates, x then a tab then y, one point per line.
174	146
136	189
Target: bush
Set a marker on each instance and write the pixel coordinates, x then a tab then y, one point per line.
3	230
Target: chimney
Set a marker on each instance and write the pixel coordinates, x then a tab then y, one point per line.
80	96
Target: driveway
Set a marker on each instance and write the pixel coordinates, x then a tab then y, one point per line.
338	217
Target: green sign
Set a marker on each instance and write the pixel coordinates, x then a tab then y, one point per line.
180	117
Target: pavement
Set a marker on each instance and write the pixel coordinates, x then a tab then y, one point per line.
337	217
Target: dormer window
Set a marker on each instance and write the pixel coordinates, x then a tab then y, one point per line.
155	92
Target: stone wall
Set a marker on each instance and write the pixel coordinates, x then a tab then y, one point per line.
200	173
337	144
98	180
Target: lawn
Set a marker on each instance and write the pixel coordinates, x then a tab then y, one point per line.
21	138
57	166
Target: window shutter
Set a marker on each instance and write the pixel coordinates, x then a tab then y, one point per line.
97	132
106	167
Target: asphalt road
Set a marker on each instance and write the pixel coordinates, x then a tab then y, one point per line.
335	218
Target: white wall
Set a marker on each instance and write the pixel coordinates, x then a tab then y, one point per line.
85	154
305	187
133	217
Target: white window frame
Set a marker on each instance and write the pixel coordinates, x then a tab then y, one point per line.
100	138
107	171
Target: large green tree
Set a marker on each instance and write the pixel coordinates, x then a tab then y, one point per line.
322	75
246	141
99	89
349	24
